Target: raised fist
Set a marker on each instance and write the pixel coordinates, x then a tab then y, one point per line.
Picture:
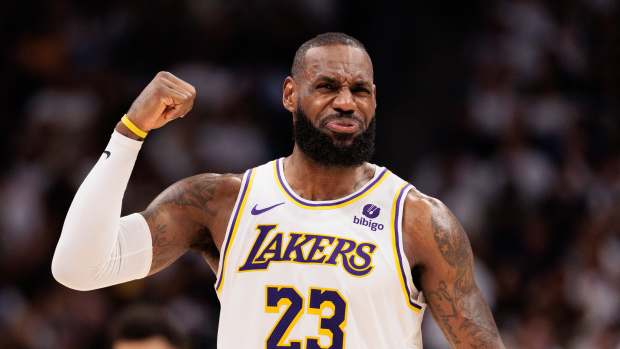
164	99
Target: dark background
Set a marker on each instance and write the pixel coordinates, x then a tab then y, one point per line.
505	110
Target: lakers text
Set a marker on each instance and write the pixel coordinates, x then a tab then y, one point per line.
272	246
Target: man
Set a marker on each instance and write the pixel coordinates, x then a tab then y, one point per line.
312	250
144	327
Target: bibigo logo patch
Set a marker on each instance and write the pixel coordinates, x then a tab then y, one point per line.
371	211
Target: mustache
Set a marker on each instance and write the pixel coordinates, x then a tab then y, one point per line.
349	116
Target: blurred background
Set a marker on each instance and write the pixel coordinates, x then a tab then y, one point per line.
508	111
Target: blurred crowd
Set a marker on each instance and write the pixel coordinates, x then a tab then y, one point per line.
508	111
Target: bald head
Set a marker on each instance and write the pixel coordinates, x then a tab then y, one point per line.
325	39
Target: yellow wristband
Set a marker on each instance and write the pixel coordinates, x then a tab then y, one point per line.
133	128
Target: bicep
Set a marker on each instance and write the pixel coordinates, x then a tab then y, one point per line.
445	257
176	218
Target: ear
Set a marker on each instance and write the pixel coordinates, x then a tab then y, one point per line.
289	94
374	94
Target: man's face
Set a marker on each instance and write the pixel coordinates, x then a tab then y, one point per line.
336	90
336	95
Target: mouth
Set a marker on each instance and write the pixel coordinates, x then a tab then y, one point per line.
343	125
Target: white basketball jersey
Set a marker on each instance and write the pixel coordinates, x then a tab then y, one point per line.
303	274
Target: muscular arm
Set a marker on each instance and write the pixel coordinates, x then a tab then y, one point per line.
98	248
192	213
441	249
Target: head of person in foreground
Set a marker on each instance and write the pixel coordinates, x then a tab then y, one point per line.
145	327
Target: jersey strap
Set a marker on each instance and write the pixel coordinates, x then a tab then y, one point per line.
397	244
233	224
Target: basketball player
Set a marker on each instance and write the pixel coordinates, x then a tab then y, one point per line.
310	251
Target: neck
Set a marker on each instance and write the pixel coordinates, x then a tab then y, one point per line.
317	182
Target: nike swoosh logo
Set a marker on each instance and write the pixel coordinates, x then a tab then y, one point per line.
256	211
107	153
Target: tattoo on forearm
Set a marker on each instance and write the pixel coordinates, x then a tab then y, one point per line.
460	307
445	309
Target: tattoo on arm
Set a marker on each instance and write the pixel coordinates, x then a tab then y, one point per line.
176	218
457	304
196	193
162	251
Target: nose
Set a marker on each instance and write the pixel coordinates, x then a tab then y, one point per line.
344	102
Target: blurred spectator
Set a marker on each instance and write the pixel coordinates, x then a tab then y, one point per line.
144	327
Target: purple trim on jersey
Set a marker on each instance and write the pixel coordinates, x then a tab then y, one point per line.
397	221
326	203
246	179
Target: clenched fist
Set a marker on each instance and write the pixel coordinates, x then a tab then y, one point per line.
164	99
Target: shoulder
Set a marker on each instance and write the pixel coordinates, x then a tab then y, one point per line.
431	229
421	210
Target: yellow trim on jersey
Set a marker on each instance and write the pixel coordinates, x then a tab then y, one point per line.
326	206
235	225
395	248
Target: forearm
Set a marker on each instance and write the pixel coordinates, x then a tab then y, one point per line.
465	319
96	248
443	253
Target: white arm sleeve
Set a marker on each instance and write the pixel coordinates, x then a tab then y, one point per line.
98	248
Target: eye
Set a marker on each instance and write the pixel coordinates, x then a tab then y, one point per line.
360	90
326	86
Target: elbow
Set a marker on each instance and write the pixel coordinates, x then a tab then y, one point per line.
68	274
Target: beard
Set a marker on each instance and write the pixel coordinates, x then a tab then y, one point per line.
341	151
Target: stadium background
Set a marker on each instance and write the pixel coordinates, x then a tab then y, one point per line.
506	110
